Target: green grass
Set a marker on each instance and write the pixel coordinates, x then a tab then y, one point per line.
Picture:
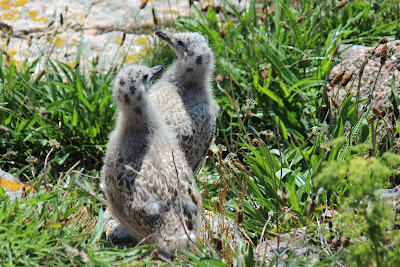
277	158
62	226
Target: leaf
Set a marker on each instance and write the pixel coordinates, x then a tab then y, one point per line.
2	193
346	107
51	224
314	161
98	230
21	125
194	258
81	96
63	85
75	117
364	133
353	134
283	172
298	35
250	257
79	51
270	94
48	196
305	84
67	71
73	209
395	97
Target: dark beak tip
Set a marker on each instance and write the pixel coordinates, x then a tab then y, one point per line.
164	35
157	70
158	32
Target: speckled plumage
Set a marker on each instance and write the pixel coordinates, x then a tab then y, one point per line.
150	198
184	95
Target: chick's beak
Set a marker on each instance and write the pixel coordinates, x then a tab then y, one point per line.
157	70
165	36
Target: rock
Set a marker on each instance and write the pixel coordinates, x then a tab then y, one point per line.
391	196
224	229
115	234
114	31
301	244
13	187
296	241
231	233
352	58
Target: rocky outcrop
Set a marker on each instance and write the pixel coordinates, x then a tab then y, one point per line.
351	60
112	32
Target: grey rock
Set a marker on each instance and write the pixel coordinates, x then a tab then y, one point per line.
53	29
217	226
351	60
391	196
8	180
296	241
213	224
115	234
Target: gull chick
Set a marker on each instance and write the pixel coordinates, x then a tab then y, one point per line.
147	179
184	95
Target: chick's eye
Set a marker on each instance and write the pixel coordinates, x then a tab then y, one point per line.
145	77
180	43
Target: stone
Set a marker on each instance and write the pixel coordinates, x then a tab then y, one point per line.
296	241
233	234
351	60
12	186
115	32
